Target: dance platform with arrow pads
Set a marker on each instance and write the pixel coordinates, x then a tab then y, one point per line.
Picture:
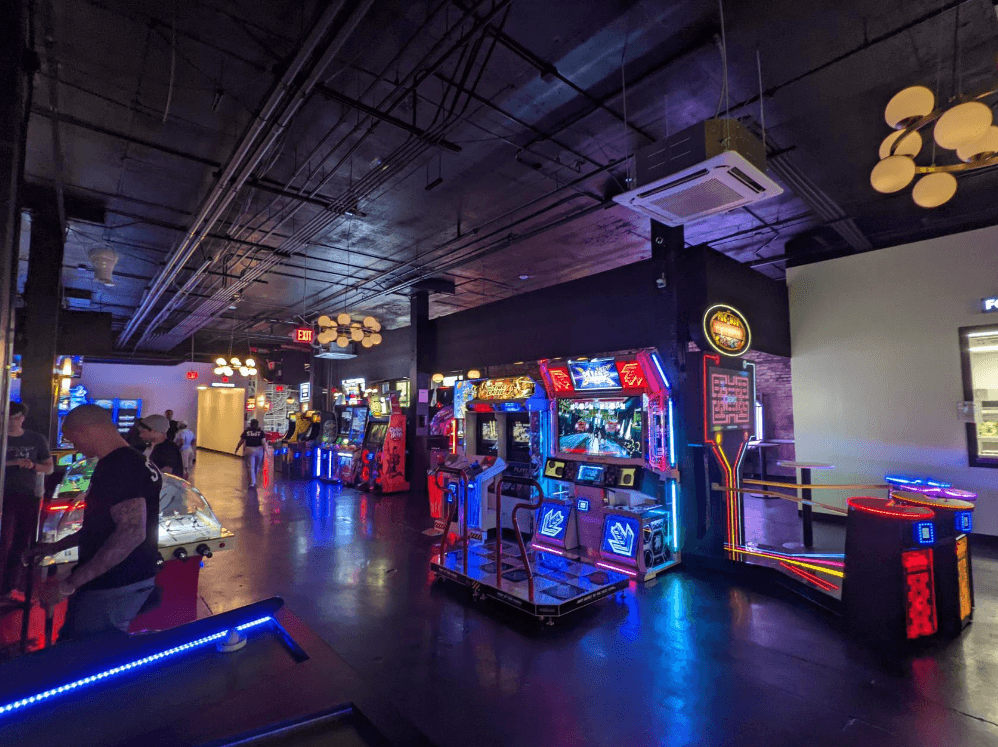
558	584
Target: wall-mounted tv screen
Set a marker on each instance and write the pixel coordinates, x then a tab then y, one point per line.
606	426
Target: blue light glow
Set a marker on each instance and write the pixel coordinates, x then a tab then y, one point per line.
582	504
658	365
675	516
554	521
911	480
132	665
620	534
925	533
964	521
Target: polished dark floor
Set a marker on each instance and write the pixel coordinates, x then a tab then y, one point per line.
691	659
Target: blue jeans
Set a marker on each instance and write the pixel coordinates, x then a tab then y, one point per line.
91	611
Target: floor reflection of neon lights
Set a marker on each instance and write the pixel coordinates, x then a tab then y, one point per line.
809	577
771	556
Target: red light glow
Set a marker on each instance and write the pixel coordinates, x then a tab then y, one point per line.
921	593
883	507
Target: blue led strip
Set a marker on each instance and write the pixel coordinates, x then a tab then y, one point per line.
675	517
658	365
130	666
672	436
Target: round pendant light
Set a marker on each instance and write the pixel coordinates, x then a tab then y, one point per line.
357	334
324	321
908	106
366	341
343	319
342	341
474	374
983	147
893	174
376	338
962	124
932	190
220	361
910	145
437	377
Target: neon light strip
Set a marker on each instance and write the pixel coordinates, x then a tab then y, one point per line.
658	365
618	569
816	558
800	564
810	577
545	548
675	518
115	671
672	437
989	333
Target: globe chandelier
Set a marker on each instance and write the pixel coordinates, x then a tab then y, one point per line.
964	125
229	367
345	329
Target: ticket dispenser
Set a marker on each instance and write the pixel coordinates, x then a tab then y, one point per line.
889	590
952	574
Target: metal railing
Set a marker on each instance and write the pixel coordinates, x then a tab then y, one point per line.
516	527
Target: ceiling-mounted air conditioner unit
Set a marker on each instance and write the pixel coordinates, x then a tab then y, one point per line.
710	168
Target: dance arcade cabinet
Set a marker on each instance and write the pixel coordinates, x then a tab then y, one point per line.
348	445
508	418
382	457
889	593
189	533
952	572
612	478
482	472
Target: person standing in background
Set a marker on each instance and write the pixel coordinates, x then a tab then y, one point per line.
27	456
171	432
185	440
165	454
253	453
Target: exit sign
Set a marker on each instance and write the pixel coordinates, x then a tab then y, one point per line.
989	304
192	375
302	334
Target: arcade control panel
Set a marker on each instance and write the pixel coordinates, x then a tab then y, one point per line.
594	474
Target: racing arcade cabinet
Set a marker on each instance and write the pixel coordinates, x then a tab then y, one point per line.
612	474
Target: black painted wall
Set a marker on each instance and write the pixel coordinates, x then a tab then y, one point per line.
614	310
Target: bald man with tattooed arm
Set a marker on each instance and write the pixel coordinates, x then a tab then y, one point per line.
118	540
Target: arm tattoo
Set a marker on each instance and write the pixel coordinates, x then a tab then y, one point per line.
129	532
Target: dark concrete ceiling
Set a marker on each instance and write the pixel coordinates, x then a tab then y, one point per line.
527	111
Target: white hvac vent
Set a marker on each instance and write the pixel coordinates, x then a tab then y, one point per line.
717	185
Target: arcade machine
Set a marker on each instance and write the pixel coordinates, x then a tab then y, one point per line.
541	582
612	478
189	533
128	413
325	445
508	418
295	448
382	455
348	444
281	451
70	398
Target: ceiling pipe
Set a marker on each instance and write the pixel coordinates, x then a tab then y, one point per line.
284	99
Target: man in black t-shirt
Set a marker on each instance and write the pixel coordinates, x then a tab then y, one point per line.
118	540
171	433
254	452
165	453
27	456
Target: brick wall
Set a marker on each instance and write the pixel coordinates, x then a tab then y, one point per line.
772	382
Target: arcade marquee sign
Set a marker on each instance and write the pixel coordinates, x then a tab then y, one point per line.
519	387
726	330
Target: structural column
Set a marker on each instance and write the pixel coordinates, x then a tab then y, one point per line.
15	59
420	356
42	300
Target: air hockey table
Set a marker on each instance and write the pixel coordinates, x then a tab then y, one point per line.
280	686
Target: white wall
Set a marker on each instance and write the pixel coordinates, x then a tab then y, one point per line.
876	363
159	387
221	418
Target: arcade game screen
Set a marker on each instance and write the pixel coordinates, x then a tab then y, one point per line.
729	394
518	435
602	427
358	424
375	435
488	434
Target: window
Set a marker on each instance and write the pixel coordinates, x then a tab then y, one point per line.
979	356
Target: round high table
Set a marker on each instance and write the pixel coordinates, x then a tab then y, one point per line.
805	493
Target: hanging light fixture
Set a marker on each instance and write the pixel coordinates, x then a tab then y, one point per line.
437	378
474	374
963	124
345	330
228	367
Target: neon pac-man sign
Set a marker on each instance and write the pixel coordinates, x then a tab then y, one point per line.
727	330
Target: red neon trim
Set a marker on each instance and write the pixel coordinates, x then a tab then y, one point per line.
883	507
809	577
922	618
65	506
